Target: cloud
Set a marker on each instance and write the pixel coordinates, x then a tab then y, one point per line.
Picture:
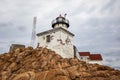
112	59
109	5
6	24
118	39
22	28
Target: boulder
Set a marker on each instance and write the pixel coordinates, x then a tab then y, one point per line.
45	64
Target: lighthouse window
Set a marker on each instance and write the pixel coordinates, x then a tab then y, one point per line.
48	38
60	19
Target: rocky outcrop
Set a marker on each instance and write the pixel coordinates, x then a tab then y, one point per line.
44	64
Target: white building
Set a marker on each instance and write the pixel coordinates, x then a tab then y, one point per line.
59	38
84	56
96	58
90	58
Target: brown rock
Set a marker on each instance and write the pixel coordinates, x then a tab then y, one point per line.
45	64
25	76
52	74
60	78
41	75
5	75
84	74
73	72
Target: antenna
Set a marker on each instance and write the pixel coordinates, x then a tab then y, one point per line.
65	15
33	36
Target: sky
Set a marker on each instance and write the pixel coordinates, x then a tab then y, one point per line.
95	23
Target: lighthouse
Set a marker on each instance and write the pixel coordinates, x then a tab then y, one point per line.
58	39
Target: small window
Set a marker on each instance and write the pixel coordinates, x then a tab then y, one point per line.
48	38
88	58
81	57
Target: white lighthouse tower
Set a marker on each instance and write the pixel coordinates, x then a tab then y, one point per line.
59	38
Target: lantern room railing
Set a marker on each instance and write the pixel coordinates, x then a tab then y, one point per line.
60	21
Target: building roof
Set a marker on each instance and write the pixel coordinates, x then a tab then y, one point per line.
95	57
84	53
17	45
55	29
91	56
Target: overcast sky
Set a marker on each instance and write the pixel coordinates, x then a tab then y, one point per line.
95	23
